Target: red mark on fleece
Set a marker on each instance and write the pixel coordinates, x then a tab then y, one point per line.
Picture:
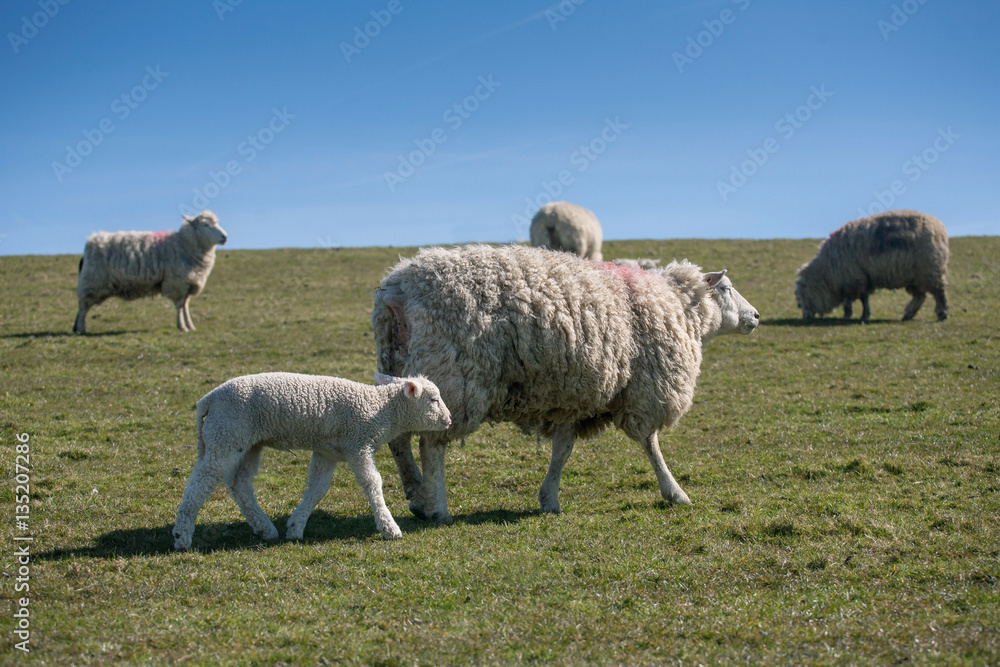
160	237
630	275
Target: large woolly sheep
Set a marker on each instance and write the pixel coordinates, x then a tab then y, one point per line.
564	226
131	265
888	250
338	420
556	344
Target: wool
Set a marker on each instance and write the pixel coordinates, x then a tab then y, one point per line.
338	420
885	251
564	226
556	344
132	265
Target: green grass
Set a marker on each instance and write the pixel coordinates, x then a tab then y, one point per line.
845	480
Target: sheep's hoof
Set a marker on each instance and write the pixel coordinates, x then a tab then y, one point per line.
417	509
442	518
942	317
679	498
549	506
270	533
181	543
391	532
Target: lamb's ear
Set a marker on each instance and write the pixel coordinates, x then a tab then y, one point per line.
187	218
381	379
413	390
714	278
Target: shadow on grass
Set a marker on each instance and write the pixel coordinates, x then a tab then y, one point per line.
820	322
236	535
64	334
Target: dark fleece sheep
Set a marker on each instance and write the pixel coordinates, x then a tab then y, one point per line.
889	250
554	343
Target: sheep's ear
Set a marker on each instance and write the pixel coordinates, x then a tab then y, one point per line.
713	278
413	390
187	218
381	379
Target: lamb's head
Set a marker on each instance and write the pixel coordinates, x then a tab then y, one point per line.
206	229
738	316
811	294
426	408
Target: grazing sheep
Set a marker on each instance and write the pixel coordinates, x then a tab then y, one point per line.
131	265
889	250
338	420
637	263
556	344
564	226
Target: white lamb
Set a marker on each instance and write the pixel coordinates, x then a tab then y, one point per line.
131	265
564	226
338	420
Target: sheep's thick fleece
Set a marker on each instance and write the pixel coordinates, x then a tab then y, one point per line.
131	265
338	420
889	250
554	343
564	226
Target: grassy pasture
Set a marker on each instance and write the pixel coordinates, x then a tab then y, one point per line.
845	480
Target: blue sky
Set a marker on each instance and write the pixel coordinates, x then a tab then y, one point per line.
699	119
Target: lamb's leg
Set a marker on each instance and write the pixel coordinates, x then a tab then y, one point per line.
848	308
362	462
433	492
914	305
940	304
204	479
409	473
240	484
866	311
669	488
320	473
563	439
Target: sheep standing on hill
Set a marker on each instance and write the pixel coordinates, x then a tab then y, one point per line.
131	265
338	420
553	343
564	226
889	250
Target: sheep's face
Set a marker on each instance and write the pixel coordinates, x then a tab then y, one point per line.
811	297
206	228
738	316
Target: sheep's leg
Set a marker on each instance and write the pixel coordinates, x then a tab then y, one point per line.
181	324
409	473
80	325
240	484
866	311
318	483
204	479
187	313
914	305
362	462
433	492
940	304
669	488
562	446
848	308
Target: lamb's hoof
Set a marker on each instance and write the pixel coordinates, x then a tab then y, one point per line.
391	532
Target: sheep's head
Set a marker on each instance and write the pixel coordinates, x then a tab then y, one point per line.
427	407
811	295
738	316
206	228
